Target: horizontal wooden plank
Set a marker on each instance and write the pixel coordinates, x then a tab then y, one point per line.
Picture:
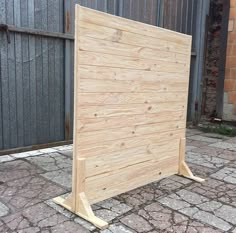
134	47
104	86
107	147
93	124
130	98
111	184
98	18
129	109
126	132
98	59
114	35
110	73
111	162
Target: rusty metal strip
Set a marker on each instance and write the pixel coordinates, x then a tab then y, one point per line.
37	32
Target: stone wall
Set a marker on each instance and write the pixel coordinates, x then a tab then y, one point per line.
212	58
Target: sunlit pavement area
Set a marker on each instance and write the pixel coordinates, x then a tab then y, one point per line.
29	181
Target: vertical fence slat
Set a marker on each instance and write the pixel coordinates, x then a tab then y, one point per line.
32	68
45	89
19	81
25	75
5	91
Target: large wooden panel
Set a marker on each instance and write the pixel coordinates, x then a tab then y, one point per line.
130	101
131	85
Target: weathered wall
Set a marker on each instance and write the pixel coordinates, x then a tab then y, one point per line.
229	107
212	57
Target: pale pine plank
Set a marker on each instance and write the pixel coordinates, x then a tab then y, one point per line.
97	85
94	124
126	132
107	40
128	109
99	18
97	59
110	73
126	143
110	162
112	184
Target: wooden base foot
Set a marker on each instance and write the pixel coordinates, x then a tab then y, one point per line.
185	171
83	209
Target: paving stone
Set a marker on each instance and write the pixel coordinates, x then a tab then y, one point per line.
137	223
26	154
68	227
190	132
70	215
61	177
226	174
48	150
224	145
216	190
205	160
121	208
227	213
28	191
39	217
51	162
215	135
4	210
204	139
190	148
6	158
108	203
210	206
216	152
197	143
212	220
17	169
117	229
166	220
68	153
200	208
201	171
106	215
84	224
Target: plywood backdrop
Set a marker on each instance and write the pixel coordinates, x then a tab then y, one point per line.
131	90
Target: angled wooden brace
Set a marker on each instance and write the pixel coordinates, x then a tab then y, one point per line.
77	201
184	169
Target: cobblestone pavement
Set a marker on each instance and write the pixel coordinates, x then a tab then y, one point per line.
29	181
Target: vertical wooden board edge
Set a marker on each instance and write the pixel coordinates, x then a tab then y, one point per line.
76	85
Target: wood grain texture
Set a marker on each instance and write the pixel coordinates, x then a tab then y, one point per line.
130	102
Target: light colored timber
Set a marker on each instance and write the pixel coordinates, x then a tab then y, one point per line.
110	184
98	18
100	123
107	147
132	131
114	110
124	37
130	98
98	59
124	46
130	105
95	85
184	170
111	73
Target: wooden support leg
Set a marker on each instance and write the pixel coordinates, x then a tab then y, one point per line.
184	170
85	211
77	201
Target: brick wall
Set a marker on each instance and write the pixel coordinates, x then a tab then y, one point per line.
229	106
